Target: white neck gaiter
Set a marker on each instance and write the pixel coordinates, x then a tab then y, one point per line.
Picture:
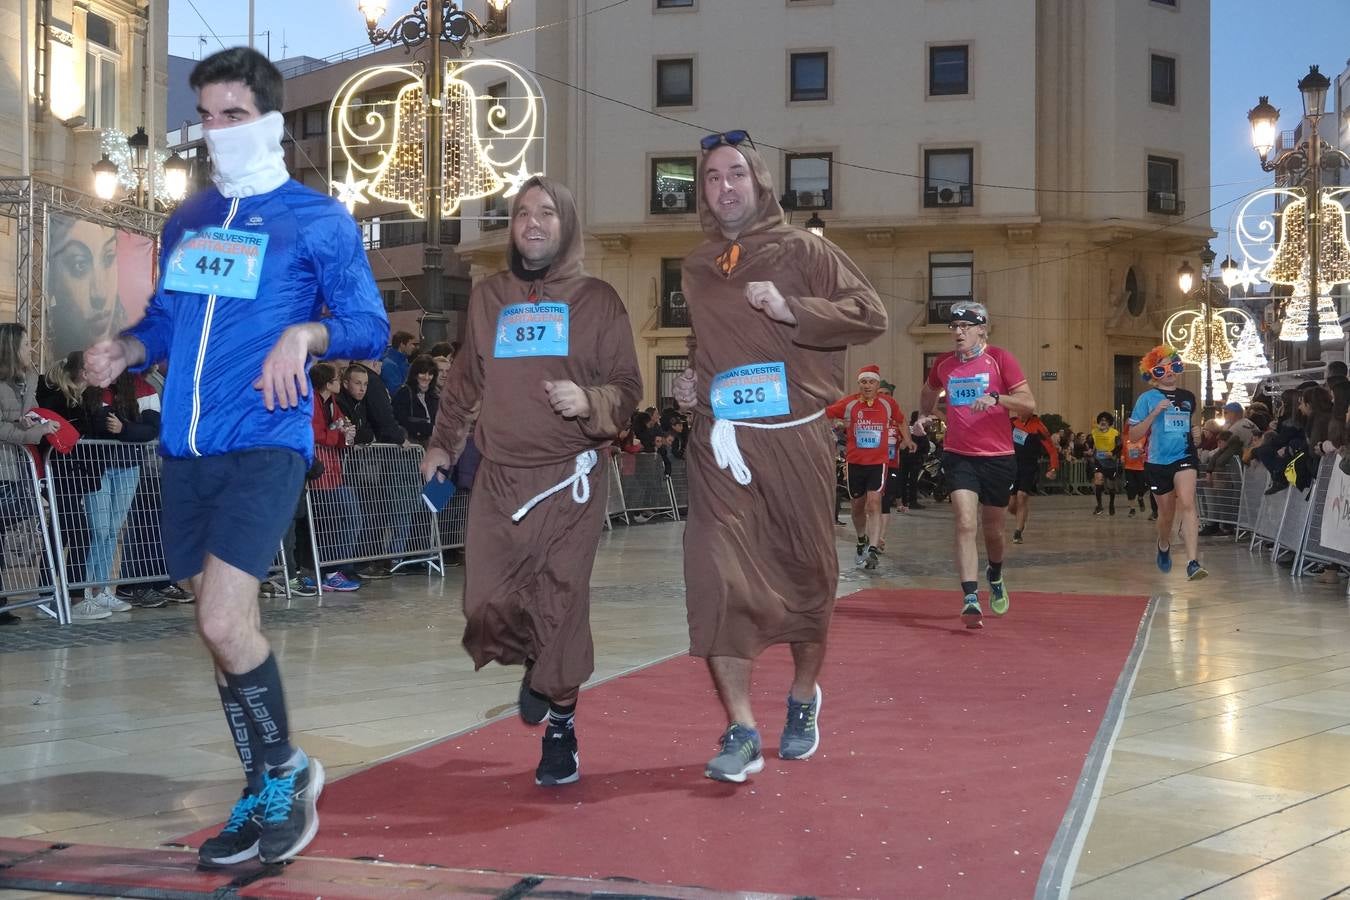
246	159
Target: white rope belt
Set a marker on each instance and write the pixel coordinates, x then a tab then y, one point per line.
728	453
578	480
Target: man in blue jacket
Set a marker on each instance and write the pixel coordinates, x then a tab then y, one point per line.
247	269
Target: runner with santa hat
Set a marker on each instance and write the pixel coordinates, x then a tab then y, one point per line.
868	417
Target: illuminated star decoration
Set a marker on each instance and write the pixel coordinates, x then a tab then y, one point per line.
1247	277
351	191
516	180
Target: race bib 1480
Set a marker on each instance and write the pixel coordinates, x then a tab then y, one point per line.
750	392
533	329
225	262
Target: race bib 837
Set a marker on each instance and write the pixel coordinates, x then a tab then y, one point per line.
533	329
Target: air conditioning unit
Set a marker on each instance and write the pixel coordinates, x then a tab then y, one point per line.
675	200
948	197
675	300
810	199
1166	202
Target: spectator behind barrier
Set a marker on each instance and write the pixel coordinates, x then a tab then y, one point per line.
336	510
18	388
402	346
416	402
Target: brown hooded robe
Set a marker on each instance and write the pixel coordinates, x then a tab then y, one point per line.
760	561
527	584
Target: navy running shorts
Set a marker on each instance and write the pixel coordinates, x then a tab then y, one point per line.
235	506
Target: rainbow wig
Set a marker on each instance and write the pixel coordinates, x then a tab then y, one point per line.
1158	356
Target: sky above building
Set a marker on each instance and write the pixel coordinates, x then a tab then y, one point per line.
1256	48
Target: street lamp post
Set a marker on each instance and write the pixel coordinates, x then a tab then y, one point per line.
1303	165
108	177
1186	280
436	21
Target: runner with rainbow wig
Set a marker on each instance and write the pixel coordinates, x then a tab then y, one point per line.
1163	413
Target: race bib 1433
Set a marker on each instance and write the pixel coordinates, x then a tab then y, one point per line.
965	390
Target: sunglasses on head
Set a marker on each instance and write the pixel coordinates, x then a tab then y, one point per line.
1177	366
730	138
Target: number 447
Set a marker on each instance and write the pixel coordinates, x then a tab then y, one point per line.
215	265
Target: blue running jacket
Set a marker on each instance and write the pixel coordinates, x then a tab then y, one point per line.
314	260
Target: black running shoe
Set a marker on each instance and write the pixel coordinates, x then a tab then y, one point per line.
289	817
1017	536
238	840
560	762
533	706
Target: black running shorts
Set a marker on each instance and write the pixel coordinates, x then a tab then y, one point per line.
991	477
862	479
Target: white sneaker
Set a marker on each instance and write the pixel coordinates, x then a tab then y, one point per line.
87	610
108	600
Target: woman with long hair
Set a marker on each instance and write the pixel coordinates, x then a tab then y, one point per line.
18	394
416	402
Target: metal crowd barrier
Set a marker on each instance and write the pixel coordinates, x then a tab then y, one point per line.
1075	476
28	573
453	522
367	506
614	503
1312	549
679	484
1268	519
645	485
1255	480
106	495
1220	500
1293	523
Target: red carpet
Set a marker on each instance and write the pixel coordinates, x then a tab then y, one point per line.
947	760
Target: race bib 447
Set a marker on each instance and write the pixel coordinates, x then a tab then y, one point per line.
226	262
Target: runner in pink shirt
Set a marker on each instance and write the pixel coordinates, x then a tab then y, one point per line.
984	387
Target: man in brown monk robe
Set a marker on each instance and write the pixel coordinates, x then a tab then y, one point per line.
772	307
549	372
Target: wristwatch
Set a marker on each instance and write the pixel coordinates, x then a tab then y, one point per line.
995	395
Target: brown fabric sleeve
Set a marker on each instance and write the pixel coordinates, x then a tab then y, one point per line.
849	311
613	402
463	394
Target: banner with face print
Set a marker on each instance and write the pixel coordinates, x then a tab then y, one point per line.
98	281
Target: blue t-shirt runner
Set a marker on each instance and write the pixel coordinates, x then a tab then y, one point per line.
1170	437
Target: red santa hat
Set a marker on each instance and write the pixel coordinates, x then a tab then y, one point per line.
872	372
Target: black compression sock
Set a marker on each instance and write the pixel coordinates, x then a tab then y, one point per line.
995	571
969	587
259	693
561	716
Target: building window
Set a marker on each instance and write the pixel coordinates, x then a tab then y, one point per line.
948	70
673	184
1163	80
1135	300
674	4
947	177
674	311
496	19
930	360
1162	186
810	76
808	180
675	82
390	298
100	72
1171	3
313	124
496	213
668	368
370	233
951	278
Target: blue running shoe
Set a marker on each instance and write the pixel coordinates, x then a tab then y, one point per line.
290	818
238	840
1164	560
337	581
1195	571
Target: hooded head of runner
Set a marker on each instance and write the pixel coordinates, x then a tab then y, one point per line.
735	196
545	235
1161	364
